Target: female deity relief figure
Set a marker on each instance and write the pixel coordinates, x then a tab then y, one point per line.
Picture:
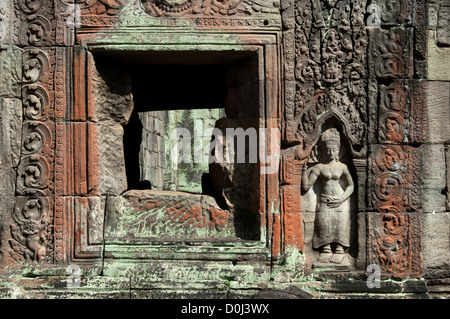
332	214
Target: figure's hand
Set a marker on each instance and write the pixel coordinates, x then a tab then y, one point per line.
335	202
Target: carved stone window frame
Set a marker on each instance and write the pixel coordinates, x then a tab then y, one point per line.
266	46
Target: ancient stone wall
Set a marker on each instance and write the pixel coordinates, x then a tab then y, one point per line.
341	108
435	152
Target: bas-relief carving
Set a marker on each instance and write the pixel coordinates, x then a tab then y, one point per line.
330	69
392	11
35	31
3	23
208	7
396	174
394	229
395	242
32	6
328	39
392	53
31	228
401	113
230	14
179	7
33	25
31	231
168	215
11	119
329	60
334	186
99	7
35	98
327	67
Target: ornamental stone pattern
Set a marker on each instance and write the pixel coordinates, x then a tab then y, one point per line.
352	87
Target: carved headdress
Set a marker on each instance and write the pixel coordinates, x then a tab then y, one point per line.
331	135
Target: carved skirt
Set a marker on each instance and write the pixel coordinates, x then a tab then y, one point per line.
331	225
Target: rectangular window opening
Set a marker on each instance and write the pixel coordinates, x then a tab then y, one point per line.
180	97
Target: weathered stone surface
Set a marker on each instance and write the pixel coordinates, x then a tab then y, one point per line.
437	57
396	242
331	201
10	69
288	293
111	166
88	226
436	241
193	290
447	173
235	172
401	117
442	27
65	287
69	77
112	97
438	111
10	143
165	215
433	181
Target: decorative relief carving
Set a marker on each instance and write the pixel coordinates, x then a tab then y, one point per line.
326	68
396	234
4	23
35	31
37	138
330	81
173	215
330	72
184	13
31	231
334	185
391	244
401	112
35	102
396	184
31	234
164	7
392	11
394	124
34	176
35	65
60	215
33	27
31	6
208	7
335	59
396	242
13	107
98	7
392	53
396	237
11	70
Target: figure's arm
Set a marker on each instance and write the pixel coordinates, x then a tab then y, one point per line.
350	185
309	177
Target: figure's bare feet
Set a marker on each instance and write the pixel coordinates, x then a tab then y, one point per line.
326	254
338	255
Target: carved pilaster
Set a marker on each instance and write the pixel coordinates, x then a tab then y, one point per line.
394	230
31	228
